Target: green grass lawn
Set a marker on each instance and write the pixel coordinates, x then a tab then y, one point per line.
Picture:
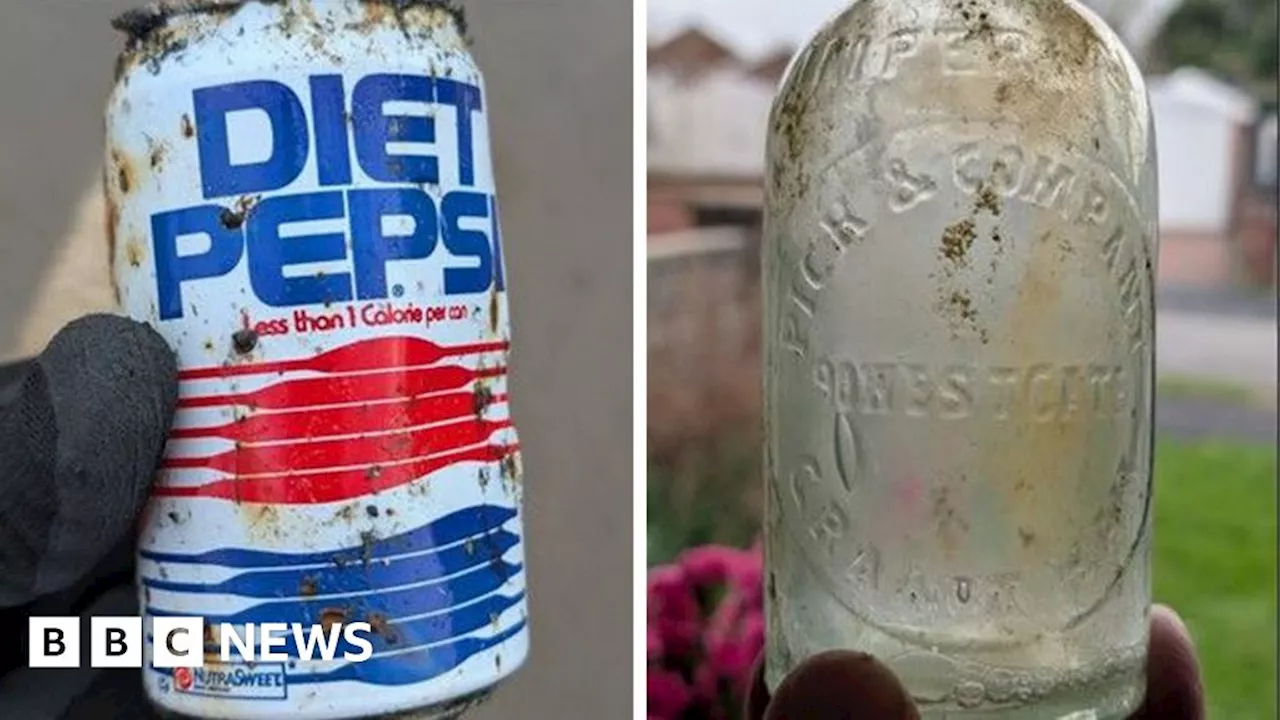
1215	562
1178	387
1215	549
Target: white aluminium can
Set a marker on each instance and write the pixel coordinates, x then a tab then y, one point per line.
302	202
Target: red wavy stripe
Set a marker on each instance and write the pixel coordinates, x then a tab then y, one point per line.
298	456
348	389
377	354
335	486
334	421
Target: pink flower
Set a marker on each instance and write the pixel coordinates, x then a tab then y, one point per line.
679	638
700	662
668	695
746	574
671	594
708	565
655	645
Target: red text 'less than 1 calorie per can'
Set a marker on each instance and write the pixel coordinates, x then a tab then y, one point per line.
302	202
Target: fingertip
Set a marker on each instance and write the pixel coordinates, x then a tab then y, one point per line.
1174	686
1166	622
104	343
838	685
112	391
116	368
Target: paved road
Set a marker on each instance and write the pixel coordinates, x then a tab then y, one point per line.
559	75
1222	338
1200	419
1228	348
1241	303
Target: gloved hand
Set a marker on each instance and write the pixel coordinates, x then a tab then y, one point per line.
82	429
846	685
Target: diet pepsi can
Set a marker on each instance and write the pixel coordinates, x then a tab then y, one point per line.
301	201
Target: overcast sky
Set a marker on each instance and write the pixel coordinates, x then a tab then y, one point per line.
752	27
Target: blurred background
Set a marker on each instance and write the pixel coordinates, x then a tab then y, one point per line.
1211	68
559	85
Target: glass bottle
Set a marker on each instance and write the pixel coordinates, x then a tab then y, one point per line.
960	239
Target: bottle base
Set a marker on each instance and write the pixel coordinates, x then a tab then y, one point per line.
985	688
1111	697
448	710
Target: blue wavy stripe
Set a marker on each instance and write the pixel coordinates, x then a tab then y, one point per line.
399	635
353	578
417	600
448	529
405	668
410	667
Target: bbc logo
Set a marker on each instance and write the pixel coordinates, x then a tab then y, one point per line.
115	642
180	642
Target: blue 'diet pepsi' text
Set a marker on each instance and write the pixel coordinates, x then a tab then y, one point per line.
342	141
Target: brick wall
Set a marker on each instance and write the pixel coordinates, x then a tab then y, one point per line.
704	335
1256	237
1192	259
668	215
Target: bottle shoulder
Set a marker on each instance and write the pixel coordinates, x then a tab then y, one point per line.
1049	69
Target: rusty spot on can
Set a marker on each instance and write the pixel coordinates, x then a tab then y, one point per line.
112	219
332	616
493	309
481	399
373	473
308	587
346	514
379	13
158	152
151	37
244	340
134	253
367	541
233	218
125	173
375	13
379	624
188	129
262	520
508	467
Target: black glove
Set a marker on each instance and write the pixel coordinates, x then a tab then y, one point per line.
82	428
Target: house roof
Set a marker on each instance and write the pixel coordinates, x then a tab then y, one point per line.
690	51
773	66
1191	86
